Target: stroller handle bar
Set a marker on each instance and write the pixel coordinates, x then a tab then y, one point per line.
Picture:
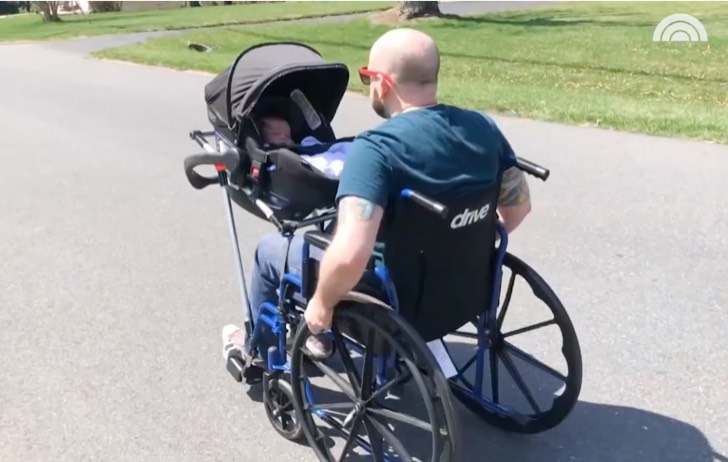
230	160
225	161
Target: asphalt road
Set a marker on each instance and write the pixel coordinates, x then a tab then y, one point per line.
117	276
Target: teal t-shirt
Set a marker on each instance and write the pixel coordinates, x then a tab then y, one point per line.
432	150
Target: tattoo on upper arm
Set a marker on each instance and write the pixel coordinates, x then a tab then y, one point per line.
514	188
355	207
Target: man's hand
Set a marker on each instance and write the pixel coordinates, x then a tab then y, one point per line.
318	316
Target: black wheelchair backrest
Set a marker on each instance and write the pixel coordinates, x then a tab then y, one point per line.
442	268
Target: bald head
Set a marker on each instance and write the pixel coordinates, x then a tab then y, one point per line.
409	56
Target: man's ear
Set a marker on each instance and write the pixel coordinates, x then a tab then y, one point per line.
383	88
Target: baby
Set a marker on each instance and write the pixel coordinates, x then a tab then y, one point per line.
277	131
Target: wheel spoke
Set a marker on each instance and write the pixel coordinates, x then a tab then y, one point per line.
516	376
330	407
404	418
468	364
523	330
288	407
334	376
533	361
349	366
366	383
375	440
338	429
506	302
351	439
391	439
388	386
466	382
287	421
493	360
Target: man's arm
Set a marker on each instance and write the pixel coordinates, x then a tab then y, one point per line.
345	260
514	202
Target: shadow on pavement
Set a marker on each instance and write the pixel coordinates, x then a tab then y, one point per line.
592	433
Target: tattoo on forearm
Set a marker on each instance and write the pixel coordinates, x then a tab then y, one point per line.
355	206
514	188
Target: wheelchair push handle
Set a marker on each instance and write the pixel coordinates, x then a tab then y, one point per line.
425	202
532	168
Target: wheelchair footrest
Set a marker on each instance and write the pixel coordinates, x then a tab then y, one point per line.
238	369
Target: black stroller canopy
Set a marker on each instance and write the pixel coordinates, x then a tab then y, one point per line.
276	69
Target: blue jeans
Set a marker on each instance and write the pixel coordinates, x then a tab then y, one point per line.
268	268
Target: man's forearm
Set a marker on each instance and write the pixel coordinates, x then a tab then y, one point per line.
512	217
344	262
338	274
514	201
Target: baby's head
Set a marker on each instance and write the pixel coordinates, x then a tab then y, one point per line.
276	130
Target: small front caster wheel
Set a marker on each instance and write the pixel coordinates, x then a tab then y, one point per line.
278	401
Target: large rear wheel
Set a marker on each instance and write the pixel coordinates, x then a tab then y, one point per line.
366	408
503	385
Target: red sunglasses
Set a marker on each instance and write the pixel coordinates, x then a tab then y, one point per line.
366	76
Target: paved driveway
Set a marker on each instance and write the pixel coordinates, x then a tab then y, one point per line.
116	278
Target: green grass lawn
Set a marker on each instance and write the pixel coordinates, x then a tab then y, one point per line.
585	63
31	27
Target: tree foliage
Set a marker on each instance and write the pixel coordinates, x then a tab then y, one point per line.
104	7
9	8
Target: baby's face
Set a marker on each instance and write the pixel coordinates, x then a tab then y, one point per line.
277	131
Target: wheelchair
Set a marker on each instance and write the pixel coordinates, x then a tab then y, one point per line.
430	282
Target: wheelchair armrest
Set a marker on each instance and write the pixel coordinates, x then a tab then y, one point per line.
318	239
323	241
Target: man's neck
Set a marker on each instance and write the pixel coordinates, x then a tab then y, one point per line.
414	107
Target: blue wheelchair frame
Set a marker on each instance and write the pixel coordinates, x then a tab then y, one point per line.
270	315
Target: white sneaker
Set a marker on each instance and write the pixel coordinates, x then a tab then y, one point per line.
232	341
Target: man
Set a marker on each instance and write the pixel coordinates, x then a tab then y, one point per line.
422	145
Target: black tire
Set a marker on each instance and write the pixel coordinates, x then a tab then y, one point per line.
383	332
278	403
511	421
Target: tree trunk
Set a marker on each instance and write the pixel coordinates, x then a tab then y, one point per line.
410	10
50	11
